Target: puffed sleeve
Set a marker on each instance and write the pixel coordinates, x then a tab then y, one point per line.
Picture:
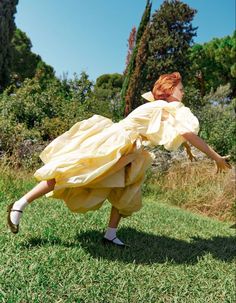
185	121
169	131
159	131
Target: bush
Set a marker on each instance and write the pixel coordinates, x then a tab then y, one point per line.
37	112
218	126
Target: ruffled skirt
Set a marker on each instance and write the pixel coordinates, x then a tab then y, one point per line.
96	160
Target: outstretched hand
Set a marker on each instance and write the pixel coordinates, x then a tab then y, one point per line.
222	164
191	156
189	152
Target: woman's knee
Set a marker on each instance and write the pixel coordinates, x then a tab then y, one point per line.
51	183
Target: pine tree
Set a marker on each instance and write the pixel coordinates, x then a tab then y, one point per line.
25	63
163	49
7	27
131	67
171	35
213	64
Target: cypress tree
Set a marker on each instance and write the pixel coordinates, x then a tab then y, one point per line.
132	99
7	27
132	62
131	45
163	49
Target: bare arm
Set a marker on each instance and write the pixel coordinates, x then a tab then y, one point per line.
202	146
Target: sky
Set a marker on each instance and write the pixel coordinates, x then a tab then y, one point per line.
91	35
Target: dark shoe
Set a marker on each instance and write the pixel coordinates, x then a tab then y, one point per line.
13	227
106	241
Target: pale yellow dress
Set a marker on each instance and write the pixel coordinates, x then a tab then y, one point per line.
97	159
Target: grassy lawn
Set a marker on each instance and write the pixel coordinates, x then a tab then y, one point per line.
175	255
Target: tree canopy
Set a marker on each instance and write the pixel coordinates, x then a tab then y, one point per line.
7	27
163	48
25	63
213	64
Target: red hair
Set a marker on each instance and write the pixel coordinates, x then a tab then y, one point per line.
165	84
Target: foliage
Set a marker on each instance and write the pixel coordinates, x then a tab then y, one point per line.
131	45
7	27
109	81
219	129
136	83
213	64
217	121
171	35
44	107
163	48
192	98
38	107
105	99
40	110
132	60
25	64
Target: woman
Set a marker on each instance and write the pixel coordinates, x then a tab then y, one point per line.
98	159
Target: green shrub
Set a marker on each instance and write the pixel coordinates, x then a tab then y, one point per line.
218	128
37	112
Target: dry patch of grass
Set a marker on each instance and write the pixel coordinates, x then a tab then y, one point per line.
197	187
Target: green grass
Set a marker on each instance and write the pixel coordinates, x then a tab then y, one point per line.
175	256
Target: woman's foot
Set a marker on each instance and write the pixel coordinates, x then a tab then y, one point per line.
15	211
111	238
13	227
114	241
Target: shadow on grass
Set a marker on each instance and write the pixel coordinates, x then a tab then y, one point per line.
146	248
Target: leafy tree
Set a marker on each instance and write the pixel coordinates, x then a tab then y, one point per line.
36	112
109	81
80	88
213	64
106	96
32	104
171	35
25	64
7	27
163	48
44	71
217	120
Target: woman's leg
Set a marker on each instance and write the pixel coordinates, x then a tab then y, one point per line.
110	235
114	218
16	209
40	189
